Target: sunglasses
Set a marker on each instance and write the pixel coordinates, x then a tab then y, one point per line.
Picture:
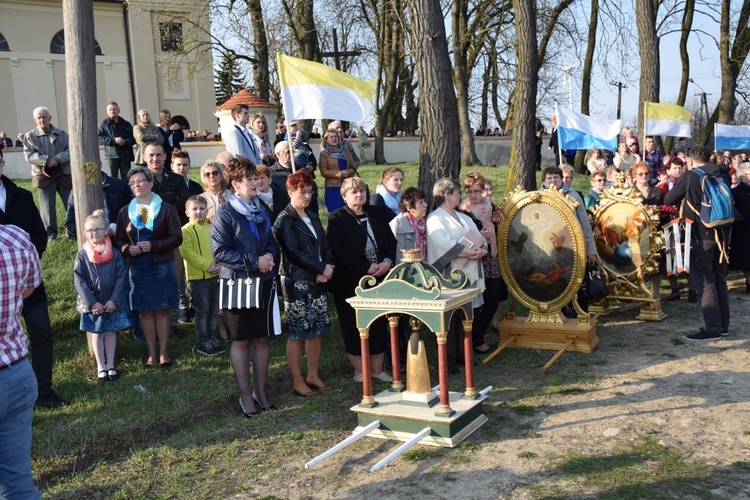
212	173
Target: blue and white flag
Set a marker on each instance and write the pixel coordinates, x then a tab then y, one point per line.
731	136
577	131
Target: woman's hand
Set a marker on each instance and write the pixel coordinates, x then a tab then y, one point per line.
145	246
382	268
214	268
134	250
110	306
97	309
478	253
320	278
265	263
328	271
373	269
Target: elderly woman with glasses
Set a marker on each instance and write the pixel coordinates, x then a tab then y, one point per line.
215	187
148	232
362	244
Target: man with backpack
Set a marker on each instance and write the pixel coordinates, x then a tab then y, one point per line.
707	201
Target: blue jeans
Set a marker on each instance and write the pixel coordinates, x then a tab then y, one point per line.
17	396
205	298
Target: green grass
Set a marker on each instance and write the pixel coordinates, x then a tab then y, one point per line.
644	469
184	437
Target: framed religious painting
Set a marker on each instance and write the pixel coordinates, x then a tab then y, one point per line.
629	243
543	251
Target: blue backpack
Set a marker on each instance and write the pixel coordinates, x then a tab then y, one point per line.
717	204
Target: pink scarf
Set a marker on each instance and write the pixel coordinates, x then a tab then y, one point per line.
99	254
420	231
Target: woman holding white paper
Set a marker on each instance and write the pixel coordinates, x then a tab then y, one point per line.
453	241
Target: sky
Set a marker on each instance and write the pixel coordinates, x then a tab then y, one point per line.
704	70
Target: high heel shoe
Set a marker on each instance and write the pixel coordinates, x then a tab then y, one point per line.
248	414
270	407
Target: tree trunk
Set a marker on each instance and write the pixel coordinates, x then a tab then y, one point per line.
261	78
687	25
588	63
461	72
648	43
485	94
439	146
732	61
80	82
523	157
390	59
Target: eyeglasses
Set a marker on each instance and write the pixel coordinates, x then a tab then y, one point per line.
2	162
212	173
473	191
641	174
137	183
599	180
95	230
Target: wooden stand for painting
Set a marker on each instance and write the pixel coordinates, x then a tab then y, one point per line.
549	336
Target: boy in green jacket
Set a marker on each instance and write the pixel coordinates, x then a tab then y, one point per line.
202	275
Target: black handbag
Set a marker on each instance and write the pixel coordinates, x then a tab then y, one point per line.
593	288
241	293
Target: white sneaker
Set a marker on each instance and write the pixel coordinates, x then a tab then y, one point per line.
358	378
384	376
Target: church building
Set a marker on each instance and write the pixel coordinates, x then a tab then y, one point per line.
141	61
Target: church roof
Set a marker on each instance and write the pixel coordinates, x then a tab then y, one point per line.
246	97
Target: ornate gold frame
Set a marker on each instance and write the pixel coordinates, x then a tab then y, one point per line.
631	286
540	311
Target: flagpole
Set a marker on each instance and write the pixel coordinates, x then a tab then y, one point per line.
715	148
286	122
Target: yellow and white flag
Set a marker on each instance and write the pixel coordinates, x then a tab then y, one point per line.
666	119
311	90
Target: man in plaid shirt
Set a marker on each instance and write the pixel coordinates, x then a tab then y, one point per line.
20	274
653	157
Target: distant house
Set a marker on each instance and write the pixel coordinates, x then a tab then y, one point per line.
133	43
255	103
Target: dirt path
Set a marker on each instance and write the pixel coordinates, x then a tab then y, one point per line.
646	415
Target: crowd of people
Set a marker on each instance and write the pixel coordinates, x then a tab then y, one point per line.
253	219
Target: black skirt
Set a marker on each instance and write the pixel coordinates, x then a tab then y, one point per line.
249	324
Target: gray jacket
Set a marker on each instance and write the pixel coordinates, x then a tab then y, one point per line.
39	145
405	236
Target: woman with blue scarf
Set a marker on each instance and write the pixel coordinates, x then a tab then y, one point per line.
335	165
388	193
244	246
148	232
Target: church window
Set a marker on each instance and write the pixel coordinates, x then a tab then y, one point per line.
171	37
4	44
57	45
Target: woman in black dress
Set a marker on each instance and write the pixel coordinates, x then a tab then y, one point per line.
362	244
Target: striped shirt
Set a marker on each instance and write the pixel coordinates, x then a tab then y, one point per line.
19	271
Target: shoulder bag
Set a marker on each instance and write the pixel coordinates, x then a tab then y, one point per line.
241	293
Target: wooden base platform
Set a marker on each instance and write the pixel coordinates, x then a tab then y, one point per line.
549	336
402	422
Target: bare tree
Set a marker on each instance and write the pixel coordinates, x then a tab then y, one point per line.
439	146
733	52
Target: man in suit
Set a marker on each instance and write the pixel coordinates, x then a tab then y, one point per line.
238	140
5	140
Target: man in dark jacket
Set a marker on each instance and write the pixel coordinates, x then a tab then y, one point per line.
116	135
708	257
279	172
19	210
117	194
